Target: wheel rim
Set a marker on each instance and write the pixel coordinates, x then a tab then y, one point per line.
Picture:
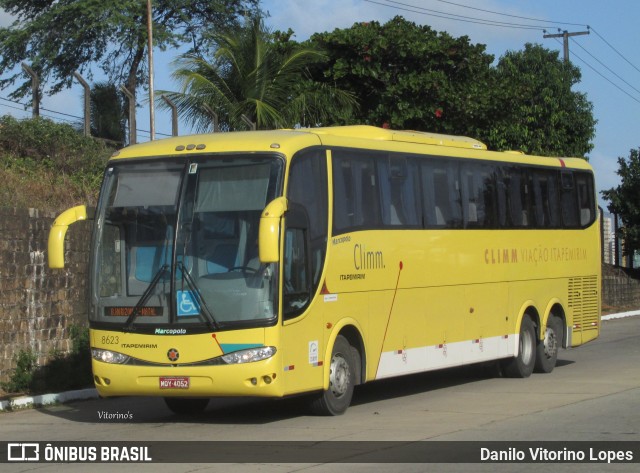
526	346
339	375
550	343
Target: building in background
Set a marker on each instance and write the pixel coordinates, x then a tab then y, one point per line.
608	240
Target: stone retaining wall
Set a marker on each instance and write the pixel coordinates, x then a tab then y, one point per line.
38	305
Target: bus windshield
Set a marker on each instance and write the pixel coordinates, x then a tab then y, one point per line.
176	245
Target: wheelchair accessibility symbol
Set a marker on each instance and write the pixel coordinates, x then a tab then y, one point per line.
187	305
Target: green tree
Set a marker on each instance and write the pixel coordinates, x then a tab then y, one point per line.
259	75
624	201
107	112
408	76
58	37
535	109
412	77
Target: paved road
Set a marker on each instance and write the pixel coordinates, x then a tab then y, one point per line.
593	395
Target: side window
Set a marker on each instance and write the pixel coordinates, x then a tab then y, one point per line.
586	200
546	202
517	190
478	195
502	192
441	194
569	201
296	294
397	191
356	196
307	193
308	187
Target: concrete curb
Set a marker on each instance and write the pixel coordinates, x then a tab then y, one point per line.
25	402
620	315
40	400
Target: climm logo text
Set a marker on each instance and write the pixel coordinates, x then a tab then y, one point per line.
364	259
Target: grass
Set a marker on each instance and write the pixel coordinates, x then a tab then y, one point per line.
47	165
63	372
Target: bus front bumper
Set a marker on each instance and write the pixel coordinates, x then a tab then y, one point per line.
259	379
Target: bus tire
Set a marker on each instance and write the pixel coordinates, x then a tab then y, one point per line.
185	405
521	366
335	400
548	348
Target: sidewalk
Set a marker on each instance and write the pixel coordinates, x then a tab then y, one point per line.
40	400
620	315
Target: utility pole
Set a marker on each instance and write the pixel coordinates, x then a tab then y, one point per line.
152	114
87	103
565	40
133	139
35	90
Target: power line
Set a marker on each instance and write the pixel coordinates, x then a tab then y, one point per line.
617	52
25	107
455	17
62	113
608	80
604	77
14	107
605	66
506	14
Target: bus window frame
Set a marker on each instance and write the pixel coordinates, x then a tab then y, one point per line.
498	211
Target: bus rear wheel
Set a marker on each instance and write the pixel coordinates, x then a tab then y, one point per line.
548	347
186	405
335	400
521	366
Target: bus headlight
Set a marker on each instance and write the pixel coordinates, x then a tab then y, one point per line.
250	355
108	356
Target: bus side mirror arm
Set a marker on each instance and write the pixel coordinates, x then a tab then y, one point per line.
269	232
59	230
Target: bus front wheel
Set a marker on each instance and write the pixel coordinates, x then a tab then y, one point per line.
548	347
521	366
335	400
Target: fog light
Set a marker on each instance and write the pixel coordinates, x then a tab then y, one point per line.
254	381
267	379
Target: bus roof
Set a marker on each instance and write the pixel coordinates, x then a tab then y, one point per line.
382	134
288	141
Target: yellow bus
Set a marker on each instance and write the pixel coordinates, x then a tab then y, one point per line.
280	263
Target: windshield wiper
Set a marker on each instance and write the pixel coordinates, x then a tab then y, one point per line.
128	325
211	321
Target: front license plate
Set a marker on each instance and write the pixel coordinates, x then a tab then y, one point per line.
174	382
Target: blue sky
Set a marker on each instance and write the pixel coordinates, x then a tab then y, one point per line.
609	57
617	111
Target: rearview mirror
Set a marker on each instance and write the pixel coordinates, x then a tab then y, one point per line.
269	232
58	232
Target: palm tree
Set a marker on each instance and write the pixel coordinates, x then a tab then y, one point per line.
253	78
